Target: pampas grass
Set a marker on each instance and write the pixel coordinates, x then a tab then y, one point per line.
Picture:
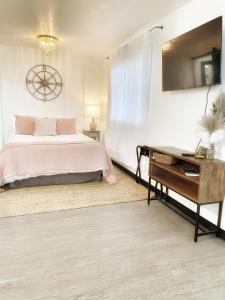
218	106
216	119
212	122
216	136
212	125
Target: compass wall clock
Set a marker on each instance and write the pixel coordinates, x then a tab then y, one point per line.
44	82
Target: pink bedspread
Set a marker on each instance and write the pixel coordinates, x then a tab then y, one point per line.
31	159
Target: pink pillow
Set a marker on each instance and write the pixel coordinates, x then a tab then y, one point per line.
66	126
45	126
24	125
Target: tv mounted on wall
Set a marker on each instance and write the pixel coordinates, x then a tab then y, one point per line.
194	58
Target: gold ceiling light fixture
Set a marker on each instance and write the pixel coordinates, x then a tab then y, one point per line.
47	43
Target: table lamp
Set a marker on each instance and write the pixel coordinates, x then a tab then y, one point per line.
93	111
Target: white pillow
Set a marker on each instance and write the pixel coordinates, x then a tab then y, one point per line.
45	126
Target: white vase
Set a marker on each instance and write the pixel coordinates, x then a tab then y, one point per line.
211	151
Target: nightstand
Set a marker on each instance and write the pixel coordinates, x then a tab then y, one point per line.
93	134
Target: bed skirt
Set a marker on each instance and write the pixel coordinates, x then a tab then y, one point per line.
55	180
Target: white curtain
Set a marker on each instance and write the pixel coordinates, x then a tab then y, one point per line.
129	100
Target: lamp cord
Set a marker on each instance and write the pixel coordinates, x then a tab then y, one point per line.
206	106
207	99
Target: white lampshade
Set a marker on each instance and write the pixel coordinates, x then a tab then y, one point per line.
93	111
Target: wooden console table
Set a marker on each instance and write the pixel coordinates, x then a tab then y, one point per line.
207	188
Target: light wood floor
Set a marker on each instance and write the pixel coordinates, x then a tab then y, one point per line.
125	251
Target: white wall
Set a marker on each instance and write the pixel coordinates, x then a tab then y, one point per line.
84	80
96	89
175	115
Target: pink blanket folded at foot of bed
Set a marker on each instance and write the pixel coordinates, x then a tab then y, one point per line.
25	160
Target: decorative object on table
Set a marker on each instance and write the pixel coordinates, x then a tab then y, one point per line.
212	126
93	111
191	154
191	170
201	152
164	158
191	174
44	82
47	43
92	134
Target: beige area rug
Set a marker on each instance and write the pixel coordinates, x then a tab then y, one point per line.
39	199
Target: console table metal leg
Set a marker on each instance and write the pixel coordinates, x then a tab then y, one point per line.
197	223
161	190
219	218
157	196
167	192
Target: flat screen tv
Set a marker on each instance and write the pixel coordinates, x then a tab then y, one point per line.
194	58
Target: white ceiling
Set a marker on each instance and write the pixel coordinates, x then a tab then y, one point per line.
91	27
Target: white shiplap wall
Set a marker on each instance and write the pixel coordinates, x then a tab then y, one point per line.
83	81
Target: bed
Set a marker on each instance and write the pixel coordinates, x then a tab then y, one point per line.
28	160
